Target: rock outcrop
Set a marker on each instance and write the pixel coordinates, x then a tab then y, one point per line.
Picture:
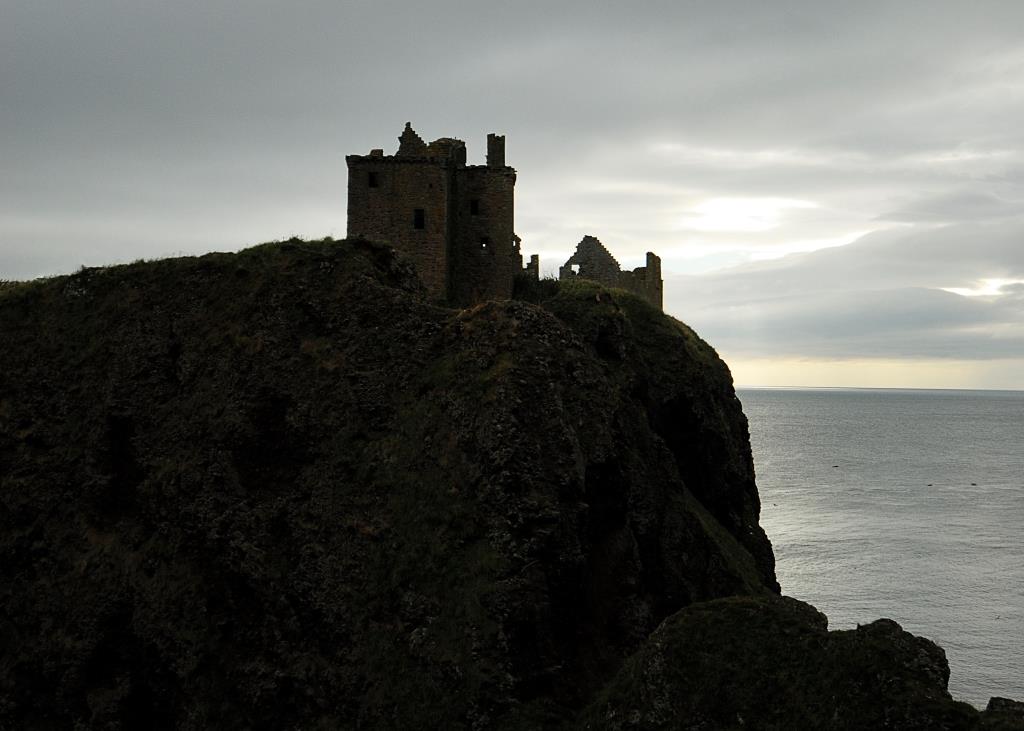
280	489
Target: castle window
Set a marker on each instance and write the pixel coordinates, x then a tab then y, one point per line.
419	218
484	242
371	180
474	206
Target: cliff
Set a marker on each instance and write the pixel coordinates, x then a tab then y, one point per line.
280	489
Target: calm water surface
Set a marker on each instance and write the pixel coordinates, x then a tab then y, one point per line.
907	505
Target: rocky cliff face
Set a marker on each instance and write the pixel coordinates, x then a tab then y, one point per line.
280	489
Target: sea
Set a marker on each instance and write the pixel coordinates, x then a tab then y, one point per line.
906	504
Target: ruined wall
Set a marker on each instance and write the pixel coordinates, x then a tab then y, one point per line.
593	261
532	269
384	195
651	285
645	281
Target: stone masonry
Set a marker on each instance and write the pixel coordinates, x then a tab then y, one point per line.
454	221
593	261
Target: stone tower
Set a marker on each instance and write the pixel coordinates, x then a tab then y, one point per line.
454	221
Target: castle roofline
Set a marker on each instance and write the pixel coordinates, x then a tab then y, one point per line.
412	148
402	160
423	160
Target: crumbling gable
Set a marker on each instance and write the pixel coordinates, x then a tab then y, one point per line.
593	261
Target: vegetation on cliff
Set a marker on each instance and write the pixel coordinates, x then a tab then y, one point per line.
282	489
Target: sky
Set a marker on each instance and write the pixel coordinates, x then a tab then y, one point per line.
836	189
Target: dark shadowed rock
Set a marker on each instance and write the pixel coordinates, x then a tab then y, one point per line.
770	663
1003	714
280	489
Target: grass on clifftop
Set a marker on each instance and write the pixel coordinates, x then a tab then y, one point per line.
572	300
270	256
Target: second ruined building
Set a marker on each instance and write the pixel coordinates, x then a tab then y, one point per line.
593	261
455	222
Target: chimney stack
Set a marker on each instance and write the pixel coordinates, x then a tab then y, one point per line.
495	151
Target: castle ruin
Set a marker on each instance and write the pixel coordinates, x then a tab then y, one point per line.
593	261
455	222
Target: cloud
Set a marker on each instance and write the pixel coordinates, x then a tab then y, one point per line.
134	130
957	205
876	297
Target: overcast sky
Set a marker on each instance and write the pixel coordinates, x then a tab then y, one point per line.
836	189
